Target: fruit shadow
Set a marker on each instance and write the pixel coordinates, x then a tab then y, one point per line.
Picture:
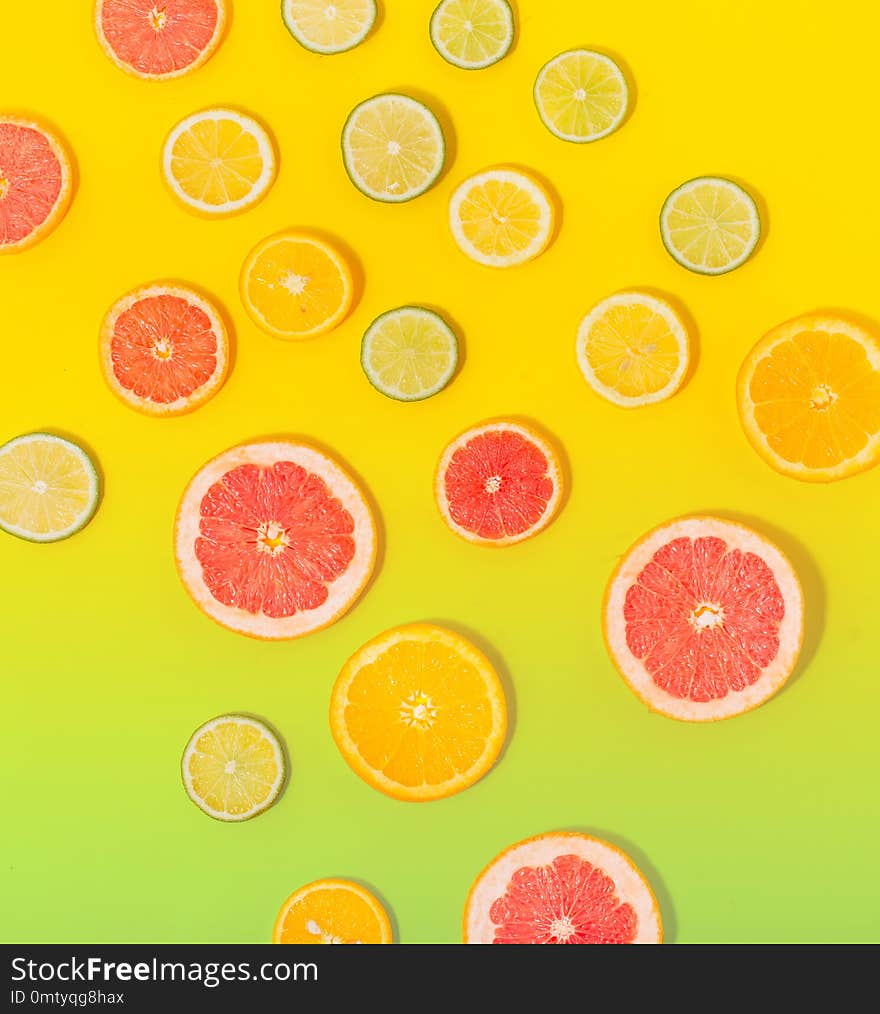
49	124
457	330
93	457
514	10
447	125
763	212
632	86
285	752
690	325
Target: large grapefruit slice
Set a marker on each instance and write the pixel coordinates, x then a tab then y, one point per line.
274	540
704	618
562	888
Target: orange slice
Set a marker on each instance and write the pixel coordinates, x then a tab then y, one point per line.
419	713
332	912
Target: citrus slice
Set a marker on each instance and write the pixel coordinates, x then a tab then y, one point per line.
324	27
419	713
501	217
48	488
581	96
274	540
233	767
332	912
710	225
409	354
295	285
159	39
809	398
35	183
704	618
472	34
393	148
164	349
562	888
498	483
632	349
218	162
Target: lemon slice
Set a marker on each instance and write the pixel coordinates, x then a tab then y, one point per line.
581	95
392	148
472	34
710	225
218	162
501	217
409	354
48	488
324	27
633	349
233	767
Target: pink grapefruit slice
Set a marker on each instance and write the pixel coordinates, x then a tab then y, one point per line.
704	618
159	39
164	349
562	888
498	483
274	540
35	183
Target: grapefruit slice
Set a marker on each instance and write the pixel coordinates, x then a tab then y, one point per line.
332	911
35	183
274	540
159	39
164	350
562	888
704	618
498	483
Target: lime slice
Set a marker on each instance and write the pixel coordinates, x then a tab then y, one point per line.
409	354
581	95
393	148
710	225
48	488
324	27
472	34
233	767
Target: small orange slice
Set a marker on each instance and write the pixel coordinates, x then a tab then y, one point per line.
332	912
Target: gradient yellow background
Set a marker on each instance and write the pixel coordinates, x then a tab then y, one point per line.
761	828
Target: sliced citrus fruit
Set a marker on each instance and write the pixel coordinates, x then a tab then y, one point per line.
809	397
48	488
218	162
562	888
159	39
710	225
419	713
295	285
704	618
324	27
35	183
581	96
164	349
501	217
274	540
633	349
233	767
409	354
332	911
498	483
393	148
472	34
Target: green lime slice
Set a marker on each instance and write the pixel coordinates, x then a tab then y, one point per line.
326	27
409	354
472	34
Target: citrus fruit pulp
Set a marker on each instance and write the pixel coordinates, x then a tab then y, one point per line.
498	483
324	27
164	349
501	217
159	39
332	911
48	487
233	767
562	888
704	619
218	162
409	354
35	183
581	96
392	148
274	540
419	713
472	34
809	398
632	349
295	285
